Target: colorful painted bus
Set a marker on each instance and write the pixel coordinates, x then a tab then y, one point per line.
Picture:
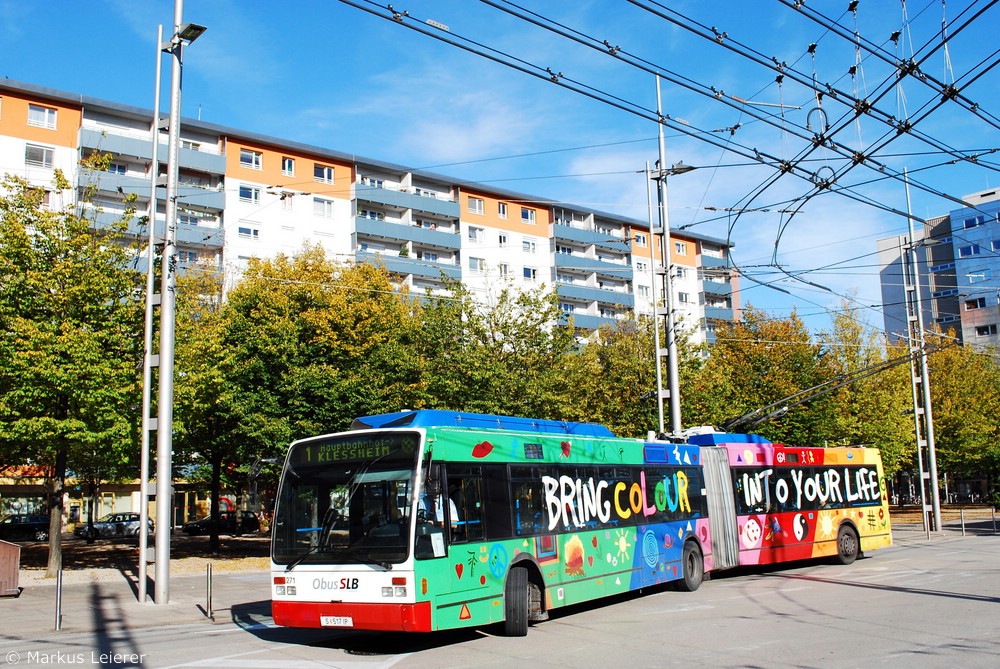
433	520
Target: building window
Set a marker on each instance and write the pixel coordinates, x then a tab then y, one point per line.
978	303
530	274
643	292
476	205
504	269
371	182
323	174
995	245
978	275
529	246
641	266
502	209
187	257
565	250
116	168
986	330
973	222
502	240
288	166
968	251
42	117
371	214
680	248
248	233
427	255
322	207
249	194
252	160
477	235
39	156
287	201
477	265
527	216
641	239
683	298
190	146
567	307
680	272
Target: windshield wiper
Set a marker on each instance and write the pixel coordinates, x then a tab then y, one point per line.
300	559
366	559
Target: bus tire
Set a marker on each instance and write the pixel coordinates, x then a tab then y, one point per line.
515	603
693	566
848	546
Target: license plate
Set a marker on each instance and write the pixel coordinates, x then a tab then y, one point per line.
336	621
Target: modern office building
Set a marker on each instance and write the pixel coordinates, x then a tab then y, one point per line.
244	195
958	263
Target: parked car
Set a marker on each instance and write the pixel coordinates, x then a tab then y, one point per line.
112	526
231	522
24	527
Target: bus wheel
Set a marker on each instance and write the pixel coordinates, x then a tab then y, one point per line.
693	565
847	545
515	603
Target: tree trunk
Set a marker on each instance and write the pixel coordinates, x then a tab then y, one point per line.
56	513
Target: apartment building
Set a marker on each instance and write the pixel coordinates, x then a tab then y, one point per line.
243	195
958	263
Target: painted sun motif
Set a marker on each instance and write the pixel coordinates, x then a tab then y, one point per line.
825	529
621	541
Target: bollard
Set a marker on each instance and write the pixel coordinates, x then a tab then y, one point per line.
59	599
962	512
993	515
208	591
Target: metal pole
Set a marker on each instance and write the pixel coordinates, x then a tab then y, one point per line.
908	275
147	364
925	375
656	321
208	591
59	600
673	379
962	513
168	279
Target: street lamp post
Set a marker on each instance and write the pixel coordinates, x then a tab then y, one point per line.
183	33
673	376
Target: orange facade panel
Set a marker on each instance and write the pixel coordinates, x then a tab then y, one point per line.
39	120
479	208
292	170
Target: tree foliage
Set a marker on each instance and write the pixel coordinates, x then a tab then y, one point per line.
69	313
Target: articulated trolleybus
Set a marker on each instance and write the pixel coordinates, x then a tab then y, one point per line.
432	520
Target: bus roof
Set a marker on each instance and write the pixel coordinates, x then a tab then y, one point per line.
441	418
714	438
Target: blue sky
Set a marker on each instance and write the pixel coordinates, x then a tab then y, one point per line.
329	74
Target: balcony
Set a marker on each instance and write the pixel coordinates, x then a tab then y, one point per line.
143	149
719	313
717	288
422	268
589	322
591	294
208	198
568	233
585	264
187	235
712	261
411	233
403	200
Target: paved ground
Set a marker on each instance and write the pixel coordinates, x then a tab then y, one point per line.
106	598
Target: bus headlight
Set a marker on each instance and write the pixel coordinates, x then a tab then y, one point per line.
290	590
279	589
400	591
387	592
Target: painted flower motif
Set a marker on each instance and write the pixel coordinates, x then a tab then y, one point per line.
574	556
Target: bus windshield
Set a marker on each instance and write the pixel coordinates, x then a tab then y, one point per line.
346	499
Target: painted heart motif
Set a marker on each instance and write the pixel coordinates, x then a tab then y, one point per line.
459	568
590	560
481	450
593	541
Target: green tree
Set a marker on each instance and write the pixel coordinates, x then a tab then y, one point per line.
313	345
70	314
965	400
876	409
505	357
758	361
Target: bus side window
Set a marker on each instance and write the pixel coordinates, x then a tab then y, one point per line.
465	491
